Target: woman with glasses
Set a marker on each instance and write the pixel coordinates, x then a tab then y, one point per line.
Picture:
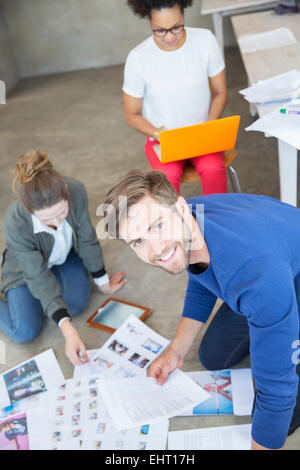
173	79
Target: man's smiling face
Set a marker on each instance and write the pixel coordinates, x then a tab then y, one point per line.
158	234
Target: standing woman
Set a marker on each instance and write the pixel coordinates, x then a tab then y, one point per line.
175	78
51	247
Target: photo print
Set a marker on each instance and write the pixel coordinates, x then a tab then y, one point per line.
24	381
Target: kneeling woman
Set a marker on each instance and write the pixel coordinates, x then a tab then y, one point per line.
51	247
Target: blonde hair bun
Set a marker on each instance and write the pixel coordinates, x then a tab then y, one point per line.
30	165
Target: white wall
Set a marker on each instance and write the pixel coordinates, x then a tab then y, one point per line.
50	36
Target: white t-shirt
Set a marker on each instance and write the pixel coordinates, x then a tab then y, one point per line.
174	85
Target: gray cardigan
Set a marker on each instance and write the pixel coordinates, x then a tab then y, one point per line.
25	260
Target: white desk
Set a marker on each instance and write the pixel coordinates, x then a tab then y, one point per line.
220	8
265	64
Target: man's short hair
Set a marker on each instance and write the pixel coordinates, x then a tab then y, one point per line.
130	190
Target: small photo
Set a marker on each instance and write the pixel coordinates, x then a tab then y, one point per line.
101	428
97	445
76	433
61	398
14	433
75	420
92	382
93	416
145	430
133	330
118	348
152	346
141	445
102	363
59	411
93	405
57	436
24	381
139	360
93	392
77	408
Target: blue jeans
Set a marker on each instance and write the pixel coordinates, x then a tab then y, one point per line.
226	342
21	317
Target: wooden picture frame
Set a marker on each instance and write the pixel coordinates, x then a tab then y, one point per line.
141	312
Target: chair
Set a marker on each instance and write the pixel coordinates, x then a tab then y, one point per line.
190	175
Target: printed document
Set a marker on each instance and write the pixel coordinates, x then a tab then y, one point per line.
219	438
133	402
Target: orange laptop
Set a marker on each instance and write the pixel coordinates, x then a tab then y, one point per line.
197	140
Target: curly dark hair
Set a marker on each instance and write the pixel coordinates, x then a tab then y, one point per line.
143	8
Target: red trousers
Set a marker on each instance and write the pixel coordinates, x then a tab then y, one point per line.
211	169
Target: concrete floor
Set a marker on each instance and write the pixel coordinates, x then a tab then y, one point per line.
78	119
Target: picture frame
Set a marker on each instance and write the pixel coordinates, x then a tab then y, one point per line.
113	312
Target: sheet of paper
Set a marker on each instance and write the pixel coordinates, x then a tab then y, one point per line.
127	353
278	88
76	418
231	392
219	438
25	431
132	402
147	437
268	40
242	391
284	127
35	376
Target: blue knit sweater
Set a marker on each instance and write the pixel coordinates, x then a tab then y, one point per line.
254	246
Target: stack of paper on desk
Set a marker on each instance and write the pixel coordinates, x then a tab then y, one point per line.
268	40
285	86
283	126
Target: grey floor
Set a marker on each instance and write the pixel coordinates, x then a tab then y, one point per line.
78	119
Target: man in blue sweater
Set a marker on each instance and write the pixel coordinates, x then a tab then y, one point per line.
243	249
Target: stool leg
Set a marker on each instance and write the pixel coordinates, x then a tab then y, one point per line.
234	179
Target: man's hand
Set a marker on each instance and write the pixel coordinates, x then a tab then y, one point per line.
164	365
116	282
75	349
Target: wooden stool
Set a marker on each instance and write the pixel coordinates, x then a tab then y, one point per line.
190	175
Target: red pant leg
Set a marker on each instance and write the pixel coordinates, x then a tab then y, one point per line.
212	171
172	170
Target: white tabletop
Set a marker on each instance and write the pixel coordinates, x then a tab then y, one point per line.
216	6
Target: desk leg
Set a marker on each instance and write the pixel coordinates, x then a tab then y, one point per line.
218	28
288	172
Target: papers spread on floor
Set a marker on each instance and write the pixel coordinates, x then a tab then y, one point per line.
127	353
268	40
74	417
132	402
32	377
219	438
282	126
231	392
285	86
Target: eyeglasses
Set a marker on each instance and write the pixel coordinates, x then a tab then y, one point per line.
160	33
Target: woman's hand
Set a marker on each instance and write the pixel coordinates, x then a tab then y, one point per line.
156	134
75	349
116	282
